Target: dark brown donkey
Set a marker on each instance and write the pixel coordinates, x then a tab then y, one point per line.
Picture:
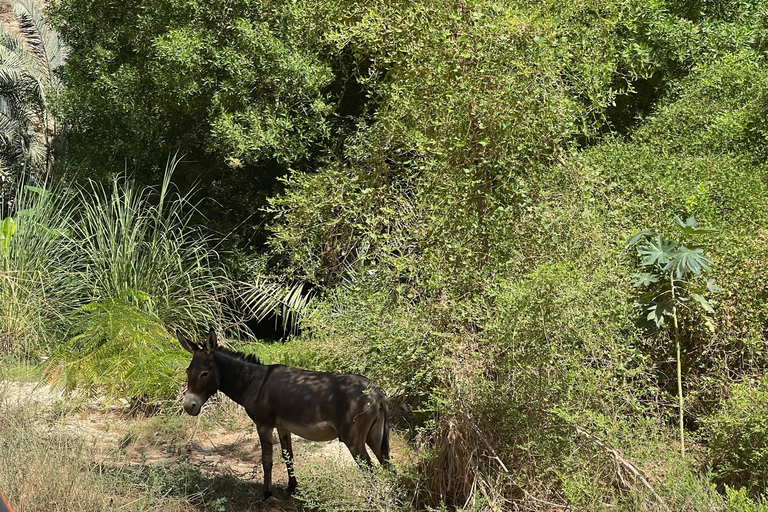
314	405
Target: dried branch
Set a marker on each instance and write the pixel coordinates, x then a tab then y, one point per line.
622	463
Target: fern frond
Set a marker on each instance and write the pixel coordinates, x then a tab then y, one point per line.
28	65
120	351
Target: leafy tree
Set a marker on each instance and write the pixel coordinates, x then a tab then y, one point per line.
242	91
674	284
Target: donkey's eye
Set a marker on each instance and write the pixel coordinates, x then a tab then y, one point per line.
204	374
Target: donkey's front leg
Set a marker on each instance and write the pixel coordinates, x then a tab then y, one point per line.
285	445
265	437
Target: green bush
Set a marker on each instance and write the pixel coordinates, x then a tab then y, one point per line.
738	500
737	437
146	269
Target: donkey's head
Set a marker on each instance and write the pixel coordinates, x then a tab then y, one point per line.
202	374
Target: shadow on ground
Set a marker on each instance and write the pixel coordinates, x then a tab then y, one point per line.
203	491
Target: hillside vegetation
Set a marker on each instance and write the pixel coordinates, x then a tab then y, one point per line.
459	182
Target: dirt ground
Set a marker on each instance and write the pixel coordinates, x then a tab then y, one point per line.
222	441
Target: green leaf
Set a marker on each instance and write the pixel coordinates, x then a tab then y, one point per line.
8	227
712	286
7	230
689	226
26	212
687	260
705	304
138	295
645	233
37	190
657	251
657	312
643	279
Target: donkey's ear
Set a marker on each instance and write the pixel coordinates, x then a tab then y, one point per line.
211	342
188	345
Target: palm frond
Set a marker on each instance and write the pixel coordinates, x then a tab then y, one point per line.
28	64
18	73
264	299
20	141
41	40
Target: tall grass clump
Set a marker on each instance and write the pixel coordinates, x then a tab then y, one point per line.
148	270
37	255
139	245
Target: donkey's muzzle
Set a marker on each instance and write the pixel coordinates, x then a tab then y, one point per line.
192	404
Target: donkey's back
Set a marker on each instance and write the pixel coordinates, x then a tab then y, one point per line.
322	406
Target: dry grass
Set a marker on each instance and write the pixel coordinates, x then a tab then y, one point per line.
463	470
337	486
60	453
46	467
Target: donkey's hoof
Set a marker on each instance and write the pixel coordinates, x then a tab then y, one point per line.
266	496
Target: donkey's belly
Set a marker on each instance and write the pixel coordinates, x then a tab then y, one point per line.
320	431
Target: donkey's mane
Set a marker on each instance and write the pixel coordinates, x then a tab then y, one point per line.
248	358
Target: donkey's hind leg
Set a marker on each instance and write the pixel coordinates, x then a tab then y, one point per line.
287	448
355	441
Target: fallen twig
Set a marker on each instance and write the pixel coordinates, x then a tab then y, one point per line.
494	455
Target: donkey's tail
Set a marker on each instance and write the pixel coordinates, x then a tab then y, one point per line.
385	437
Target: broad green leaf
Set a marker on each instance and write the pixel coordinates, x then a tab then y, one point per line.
643	279
712	286
7	230
646	233
658	311
657	251
689	226
8	227
705	304
688	260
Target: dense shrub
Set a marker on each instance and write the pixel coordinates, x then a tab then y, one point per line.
737	437
483	213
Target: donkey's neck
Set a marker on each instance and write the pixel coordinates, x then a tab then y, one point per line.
236	375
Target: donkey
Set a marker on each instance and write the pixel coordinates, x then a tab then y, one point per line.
317	406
